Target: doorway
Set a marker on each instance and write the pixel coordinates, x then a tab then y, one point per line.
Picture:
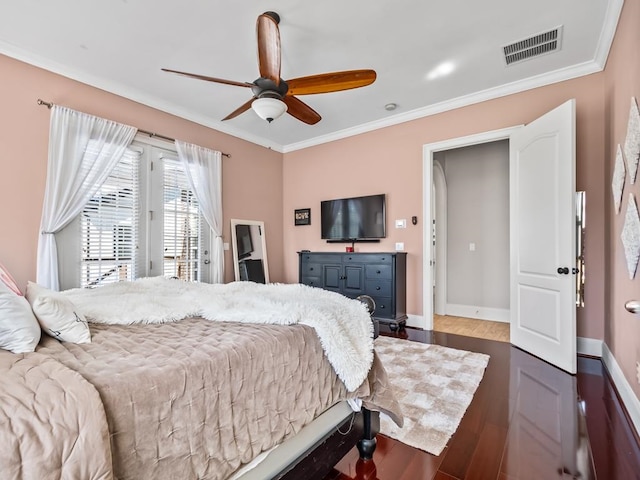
472	231
470	213
542	233
436	271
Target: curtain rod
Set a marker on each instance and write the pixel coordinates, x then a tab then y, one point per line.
151	134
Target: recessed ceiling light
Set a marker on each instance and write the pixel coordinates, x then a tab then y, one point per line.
390	106
441	70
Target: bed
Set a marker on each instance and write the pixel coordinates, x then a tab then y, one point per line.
178	395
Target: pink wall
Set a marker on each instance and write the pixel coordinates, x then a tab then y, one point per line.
265	185
622	81
390	161
252	178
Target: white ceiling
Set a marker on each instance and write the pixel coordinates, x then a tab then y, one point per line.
120	46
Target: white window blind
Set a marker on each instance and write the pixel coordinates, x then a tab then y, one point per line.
182	224
109	227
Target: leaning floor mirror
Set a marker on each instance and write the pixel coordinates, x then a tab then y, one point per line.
249	251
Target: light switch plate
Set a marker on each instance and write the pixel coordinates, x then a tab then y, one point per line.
402	223
225	245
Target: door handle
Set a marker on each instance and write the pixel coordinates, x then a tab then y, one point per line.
563	270
632	306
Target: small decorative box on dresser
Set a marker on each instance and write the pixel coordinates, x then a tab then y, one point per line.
382	276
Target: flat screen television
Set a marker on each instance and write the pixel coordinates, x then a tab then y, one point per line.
353	219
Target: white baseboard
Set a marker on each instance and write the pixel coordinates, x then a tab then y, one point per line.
418	321
480	313
590	347
628	396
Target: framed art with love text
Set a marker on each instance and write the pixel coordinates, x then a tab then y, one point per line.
302	216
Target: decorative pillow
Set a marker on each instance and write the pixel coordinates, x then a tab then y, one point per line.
19	329
57	315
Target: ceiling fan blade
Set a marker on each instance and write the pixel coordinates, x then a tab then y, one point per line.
269	46
331	82
209	79
241	109
301	110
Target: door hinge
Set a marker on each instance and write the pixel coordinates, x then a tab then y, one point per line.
150	265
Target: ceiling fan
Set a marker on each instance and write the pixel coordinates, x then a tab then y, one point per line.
272	95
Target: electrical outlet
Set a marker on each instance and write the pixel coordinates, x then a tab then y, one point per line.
399	246
225	246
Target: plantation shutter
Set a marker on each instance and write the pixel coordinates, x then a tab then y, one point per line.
182	224
110	229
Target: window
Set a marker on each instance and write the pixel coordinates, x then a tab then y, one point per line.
181	228
143	221
109	227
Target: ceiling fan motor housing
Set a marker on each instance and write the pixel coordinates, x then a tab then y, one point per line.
267	88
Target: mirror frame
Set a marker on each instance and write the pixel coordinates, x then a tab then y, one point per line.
234	246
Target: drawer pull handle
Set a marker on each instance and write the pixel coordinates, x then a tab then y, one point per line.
311	269
378	272
382	307
377	288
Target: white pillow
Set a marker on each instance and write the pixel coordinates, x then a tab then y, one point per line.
57	315
19	329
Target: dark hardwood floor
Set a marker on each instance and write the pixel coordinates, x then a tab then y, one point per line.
527	420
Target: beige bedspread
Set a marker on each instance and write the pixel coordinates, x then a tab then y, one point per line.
52	424
196	399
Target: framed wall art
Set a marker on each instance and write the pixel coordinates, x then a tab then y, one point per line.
302	216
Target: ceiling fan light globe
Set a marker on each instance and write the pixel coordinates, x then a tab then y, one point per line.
269	109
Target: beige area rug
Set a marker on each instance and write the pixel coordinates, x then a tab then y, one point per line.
434	386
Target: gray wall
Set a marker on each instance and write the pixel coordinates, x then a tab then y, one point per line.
478	212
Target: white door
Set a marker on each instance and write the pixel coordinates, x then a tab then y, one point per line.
542	222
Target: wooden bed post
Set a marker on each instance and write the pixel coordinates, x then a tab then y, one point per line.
367	444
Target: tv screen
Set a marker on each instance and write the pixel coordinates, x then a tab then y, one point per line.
358	218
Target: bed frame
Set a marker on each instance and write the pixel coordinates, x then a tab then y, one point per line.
319	446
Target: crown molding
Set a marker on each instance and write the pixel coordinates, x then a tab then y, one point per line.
135	95
596	65
556	76
612	16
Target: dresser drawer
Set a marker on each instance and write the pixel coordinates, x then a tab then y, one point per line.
320	258
384	307
379	271
311	281
311	269
380	287
367	258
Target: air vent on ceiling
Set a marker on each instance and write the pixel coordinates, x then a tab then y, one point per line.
540	44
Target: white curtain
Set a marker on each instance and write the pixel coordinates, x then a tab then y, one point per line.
83	150
204	173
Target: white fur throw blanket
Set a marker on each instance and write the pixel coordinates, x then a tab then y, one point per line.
343	325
